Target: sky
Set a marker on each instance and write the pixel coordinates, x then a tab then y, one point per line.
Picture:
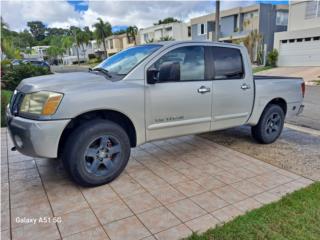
66	13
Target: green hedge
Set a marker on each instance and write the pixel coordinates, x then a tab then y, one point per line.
13	75
5	98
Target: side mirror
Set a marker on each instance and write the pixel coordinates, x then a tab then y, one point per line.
152	76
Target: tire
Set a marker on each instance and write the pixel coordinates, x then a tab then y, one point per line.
96	152
270	125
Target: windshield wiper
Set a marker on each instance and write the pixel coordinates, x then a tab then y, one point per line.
99	69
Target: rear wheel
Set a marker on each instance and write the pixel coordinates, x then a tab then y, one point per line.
96	152
270	124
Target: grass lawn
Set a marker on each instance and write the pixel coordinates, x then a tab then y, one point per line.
5	98
296	216
261	68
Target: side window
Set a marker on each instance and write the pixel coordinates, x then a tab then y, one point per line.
227	63
181	64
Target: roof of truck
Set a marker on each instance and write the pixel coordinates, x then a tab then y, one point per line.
169	43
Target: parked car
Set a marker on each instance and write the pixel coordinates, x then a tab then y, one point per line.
145	93
38	63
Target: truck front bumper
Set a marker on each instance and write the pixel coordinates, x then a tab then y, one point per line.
36	138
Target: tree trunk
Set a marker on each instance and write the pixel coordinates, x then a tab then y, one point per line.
78	55
104	47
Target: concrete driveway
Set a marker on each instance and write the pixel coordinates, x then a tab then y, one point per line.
169	189
309	74
311	115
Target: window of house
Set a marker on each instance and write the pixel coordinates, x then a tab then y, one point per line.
282	18
227	63
312	9
307	39
111	43
291	40
299	39
284	41
168	29
190	61
202	28
189	31
316	38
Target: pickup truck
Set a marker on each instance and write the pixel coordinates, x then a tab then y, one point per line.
154	91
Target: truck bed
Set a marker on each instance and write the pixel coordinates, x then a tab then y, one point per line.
265	77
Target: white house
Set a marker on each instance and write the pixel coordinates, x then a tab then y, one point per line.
176	30
300	45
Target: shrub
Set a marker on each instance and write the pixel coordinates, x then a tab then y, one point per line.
273	58
13	75
5	98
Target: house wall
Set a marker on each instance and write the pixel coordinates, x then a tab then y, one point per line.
297	16
179	31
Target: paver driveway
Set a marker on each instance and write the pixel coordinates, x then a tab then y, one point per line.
169	189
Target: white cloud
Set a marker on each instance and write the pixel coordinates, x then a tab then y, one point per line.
141	13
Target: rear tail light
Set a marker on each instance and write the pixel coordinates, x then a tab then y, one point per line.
303	88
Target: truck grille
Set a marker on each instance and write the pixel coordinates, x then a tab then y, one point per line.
15	102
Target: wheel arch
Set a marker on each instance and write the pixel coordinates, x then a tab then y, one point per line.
115	116
280	102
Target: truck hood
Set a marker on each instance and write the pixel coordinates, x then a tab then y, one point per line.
64	82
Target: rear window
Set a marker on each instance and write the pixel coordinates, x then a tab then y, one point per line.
227	63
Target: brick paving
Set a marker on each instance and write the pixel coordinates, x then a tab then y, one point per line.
169	189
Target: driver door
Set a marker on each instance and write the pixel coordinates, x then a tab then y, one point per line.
178	102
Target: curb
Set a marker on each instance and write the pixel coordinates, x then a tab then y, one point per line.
303	129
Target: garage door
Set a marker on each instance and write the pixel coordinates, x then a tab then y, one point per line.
299	52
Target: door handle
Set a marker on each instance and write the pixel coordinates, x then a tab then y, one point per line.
203	89
245	86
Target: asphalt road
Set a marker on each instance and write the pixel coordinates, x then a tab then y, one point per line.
311	115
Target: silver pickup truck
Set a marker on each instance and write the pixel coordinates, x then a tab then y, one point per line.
144	93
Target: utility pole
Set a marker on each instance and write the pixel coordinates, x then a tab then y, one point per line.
217	21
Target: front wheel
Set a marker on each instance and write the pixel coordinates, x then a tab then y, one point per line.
96	152
270	125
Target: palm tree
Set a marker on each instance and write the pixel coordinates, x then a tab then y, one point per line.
102	31
67	42
132	32
82	40
252	41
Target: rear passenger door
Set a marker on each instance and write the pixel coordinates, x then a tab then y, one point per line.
232	89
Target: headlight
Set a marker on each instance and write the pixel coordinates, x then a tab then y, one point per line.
41	103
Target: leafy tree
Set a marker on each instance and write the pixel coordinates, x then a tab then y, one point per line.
167	20
132	32
102	31
55	52
26	39
37	29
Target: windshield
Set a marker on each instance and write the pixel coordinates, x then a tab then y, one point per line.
122	62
